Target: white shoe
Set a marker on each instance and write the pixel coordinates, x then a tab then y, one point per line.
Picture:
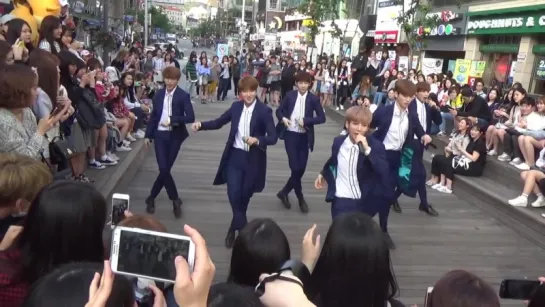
130	138
522	166
140	134
539	202
520	201
337	109
492	153
436	186
127	143
504	157
112	156
430	183
123	148
444	189
515	161
342	107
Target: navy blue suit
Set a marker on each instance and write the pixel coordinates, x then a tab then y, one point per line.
382	119
298	144
168	143
372	173
244	172
418	171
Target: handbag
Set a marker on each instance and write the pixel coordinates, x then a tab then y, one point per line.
60	150
64	174
460	162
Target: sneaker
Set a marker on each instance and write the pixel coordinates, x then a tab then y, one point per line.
107	161
516	161
140	134
539	202
504	157
430	183
441	133
123	148
337	109
96	165
520	201
129	138
436	186
342	107
492	152
126	143
83	178
112	156
523	166
444	189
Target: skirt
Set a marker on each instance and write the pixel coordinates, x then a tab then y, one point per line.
212	85
82	139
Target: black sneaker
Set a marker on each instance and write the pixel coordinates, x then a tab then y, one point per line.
108	161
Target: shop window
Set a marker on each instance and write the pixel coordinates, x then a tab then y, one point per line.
499	70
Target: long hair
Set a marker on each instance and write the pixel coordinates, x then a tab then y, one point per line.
261	247
64	224
354	267
48	76
15	26
49	25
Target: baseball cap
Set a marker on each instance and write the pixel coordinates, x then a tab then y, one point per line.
63	3
6	18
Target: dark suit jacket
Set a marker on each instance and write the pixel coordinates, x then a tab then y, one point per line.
432	115
382	119
182	113
373	175
312	106
261	127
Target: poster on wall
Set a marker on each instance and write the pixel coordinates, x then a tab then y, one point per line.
540	68
461	71
451	65
477	69
403	64
432	66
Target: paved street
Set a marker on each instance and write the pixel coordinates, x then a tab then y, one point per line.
462	236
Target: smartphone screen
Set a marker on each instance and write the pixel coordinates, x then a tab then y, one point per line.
520	289
149	254
120	203
427	299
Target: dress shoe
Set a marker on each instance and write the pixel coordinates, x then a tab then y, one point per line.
396	207
284	199
177	208
389	241
428	210
230	238
150	205
303	205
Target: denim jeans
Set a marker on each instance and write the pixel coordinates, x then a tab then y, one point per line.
190	87
379	98
434	129
445	116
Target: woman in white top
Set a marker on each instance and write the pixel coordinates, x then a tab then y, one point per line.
50	34
535	125
514	115
158	66
328	85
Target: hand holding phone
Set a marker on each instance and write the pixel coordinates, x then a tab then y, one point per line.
120	204
518	289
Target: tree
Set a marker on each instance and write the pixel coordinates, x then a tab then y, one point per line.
206	28
158	19
416	22
320	11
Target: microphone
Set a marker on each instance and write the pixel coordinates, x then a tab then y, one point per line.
360	145
432	145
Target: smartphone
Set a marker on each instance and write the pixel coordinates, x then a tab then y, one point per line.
61	92
120	203
149	254
21	44
518	289
58	108
428	293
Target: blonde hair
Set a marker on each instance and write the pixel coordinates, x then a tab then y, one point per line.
21	177
359	114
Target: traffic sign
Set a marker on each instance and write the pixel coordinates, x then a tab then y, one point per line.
223	49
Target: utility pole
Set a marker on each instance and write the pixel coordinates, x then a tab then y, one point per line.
105	28
242	26
146	22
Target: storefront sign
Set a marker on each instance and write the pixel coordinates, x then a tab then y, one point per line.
514	23
461	71
540	68
386	37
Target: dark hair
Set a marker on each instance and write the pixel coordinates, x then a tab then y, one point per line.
15	26
93	63
67	58
46	63
129	89
5	49
232	295
528	101
520	90
460	288
354	267
466	92
303	76
405	88
172	72
248	83
423	86
68	285
49	24
16	84
261	247
64	224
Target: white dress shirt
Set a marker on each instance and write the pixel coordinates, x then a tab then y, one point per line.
244	127
346	183
298	113
166	113
422	115
397	132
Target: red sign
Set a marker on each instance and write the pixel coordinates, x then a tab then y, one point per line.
386	37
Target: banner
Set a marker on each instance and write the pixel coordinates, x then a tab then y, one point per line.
223	50
451	65
477	69
461	71
432	66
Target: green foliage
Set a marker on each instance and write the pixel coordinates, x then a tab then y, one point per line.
158	19
320	11
414	17
206	28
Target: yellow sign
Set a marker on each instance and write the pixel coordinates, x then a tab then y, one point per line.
461	71
477	69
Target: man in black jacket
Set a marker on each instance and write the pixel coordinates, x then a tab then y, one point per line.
288	78
358	68
475	108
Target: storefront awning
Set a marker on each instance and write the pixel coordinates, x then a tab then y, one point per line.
510	10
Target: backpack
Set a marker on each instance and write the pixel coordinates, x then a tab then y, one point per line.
90	113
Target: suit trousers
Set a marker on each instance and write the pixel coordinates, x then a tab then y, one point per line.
167	146
394	160
223	88
239	187
342	205
297	149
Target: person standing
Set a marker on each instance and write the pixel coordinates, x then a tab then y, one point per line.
243	165
172	109
295	126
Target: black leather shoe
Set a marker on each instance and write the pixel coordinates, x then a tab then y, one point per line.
230	238
396	207
284	199
390	242
428	210
177	208
150	205
303	205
